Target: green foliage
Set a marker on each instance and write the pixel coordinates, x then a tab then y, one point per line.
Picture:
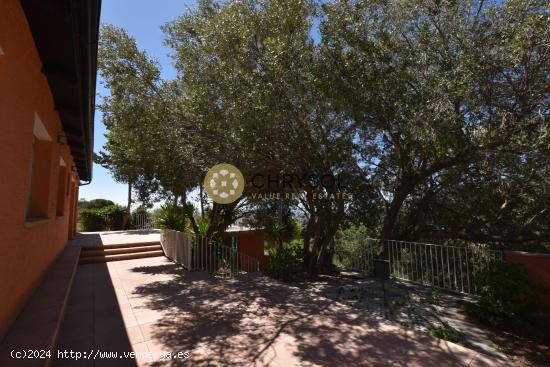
202	225
170	216
445	333
435	297
284	263
108	218
437	112
281	231
352	244
140	210
137	212
113	216
279	224
505	293
419	78
91	220
94	204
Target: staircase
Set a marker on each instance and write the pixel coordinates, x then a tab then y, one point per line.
125	251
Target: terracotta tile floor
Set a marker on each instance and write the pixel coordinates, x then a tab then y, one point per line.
152	306
115	237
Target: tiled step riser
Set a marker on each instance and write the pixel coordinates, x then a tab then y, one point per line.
120	245
117	251
108	258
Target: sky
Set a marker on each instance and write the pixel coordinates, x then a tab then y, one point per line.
142	19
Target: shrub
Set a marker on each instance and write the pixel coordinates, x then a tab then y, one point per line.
170	216
140	210
445	333
281	232
137	212
284	263
91	220
504	293
202	224
94	204
435	297
113	216
353	243
100	219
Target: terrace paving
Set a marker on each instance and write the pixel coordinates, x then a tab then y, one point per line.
107	238
408	304
153	306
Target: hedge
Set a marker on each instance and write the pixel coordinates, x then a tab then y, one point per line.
109	218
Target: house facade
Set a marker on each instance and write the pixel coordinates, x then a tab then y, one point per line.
48	53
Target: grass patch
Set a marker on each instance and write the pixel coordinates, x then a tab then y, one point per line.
445	333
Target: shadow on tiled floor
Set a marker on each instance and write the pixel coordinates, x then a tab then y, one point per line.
95	319
246	322
115	237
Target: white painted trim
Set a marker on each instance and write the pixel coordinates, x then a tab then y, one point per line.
40	131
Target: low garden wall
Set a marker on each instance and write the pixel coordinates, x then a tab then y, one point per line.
538	266
251	243
201	253
177	246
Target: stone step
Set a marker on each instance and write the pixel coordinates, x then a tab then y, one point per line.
116	251
119	257
121	245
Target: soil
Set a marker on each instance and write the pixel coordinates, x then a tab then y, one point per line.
526	343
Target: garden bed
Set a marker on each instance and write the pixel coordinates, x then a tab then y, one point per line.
438	313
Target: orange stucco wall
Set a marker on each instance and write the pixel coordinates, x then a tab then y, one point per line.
538	266
26	249
251	243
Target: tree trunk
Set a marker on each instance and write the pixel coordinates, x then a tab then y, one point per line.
325	264
129	197
332	221
193	222
392	213
188	213
212	223
125	220
320	231
201	188
307	247
313	269
217	225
